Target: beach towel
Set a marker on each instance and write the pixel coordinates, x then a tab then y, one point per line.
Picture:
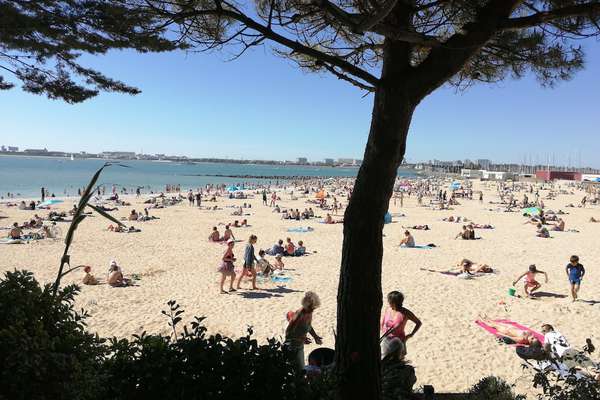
11	241
301	229
281	279
507	322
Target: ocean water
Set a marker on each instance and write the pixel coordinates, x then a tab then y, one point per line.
24	176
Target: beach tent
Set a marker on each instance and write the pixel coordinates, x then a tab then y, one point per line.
455	186
233	189
387	218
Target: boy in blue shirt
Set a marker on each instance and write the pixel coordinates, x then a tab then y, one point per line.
575	272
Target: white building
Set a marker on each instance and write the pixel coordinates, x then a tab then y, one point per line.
471	173
302	160
486	175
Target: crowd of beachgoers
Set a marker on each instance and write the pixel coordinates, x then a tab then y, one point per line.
233	215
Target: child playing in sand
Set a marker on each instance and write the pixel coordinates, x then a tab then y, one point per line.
530	283
278	263
88	278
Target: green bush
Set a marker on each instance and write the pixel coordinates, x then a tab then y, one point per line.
494	388
46	353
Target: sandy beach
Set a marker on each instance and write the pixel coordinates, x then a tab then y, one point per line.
174	260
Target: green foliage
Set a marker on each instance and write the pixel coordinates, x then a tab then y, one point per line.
46	353
40	42
495	388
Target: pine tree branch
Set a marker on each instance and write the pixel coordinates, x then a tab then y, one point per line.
540	18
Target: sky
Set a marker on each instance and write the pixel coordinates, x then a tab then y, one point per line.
263	107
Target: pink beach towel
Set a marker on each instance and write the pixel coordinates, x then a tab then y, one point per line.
494	332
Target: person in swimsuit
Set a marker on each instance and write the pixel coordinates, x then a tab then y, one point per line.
15	232
575	272
395	317
227	234
88	278
290	247
227	268
215	235
299	326
515	335
408	241
530	283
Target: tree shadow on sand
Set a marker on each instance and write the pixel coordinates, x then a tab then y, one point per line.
257	295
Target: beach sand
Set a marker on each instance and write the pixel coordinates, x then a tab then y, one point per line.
175	261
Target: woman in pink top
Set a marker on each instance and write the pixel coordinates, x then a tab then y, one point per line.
395	317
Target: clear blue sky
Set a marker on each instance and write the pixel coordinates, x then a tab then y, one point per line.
263	107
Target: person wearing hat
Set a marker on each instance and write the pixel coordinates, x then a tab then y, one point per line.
397	375
575	273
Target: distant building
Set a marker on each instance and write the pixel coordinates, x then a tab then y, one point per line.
484	163
302	160
486	175
3	148
329	161
35	151
345	161
358	161
123	155
471	173
13	149
550	175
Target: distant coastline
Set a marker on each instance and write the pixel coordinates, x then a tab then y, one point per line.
174	159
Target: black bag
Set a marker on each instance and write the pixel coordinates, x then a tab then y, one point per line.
531	353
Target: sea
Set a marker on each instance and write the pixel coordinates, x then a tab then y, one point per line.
25	176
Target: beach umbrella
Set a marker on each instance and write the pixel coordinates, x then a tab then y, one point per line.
320	195
232	189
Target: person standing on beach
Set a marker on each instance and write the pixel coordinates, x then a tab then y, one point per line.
43	194
575	273
264	197
199	199
299	326
249	260
227	268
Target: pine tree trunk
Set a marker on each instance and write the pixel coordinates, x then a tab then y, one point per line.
359	291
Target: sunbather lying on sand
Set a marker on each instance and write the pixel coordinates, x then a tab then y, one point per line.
513	334
418	227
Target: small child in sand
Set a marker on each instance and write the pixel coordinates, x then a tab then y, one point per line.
530	283
278	263
88	278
